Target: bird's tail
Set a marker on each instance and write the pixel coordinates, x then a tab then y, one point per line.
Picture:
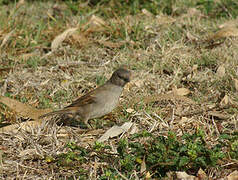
63	111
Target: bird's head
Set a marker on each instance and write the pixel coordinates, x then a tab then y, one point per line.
120	77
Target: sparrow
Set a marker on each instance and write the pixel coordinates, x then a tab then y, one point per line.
99	101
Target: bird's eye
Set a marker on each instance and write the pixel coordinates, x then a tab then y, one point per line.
124	78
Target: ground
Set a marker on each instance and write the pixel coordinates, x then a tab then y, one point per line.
181	103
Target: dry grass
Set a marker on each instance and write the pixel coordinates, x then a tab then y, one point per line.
164	53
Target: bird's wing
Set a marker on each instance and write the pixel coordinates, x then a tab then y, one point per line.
74	107
89	98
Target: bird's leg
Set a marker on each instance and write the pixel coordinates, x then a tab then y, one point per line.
89	126
85	120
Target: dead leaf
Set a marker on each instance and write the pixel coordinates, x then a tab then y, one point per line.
139	83
130	110
236	84
65	83
95	24
218	115
201	174
181	91
179	110
221	71
191	37
147	13
183	120
60	38
184	176
23	109
80	39
143	166
6	38
162	19
193	12
115	131
195	68
225	100
223	33
233	175
97	21
148	175
230	23
134	129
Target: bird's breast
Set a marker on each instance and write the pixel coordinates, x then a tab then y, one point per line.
106	102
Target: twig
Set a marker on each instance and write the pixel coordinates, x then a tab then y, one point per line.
156	115
172	119
124	177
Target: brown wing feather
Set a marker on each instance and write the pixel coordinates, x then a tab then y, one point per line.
75	105
83	100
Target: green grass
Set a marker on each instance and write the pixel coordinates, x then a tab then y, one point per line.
161	154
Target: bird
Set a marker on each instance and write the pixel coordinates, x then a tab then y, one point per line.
99	101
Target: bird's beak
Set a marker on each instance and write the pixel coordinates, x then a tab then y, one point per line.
128	79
